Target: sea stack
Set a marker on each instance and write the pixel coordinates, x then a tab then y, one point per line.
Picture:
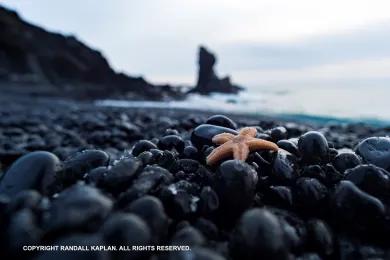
208	81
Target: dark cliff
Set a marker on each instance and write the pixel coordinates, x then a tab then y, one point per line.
33	57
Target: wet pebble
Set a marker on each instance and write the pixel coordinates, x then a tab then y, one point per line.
356	208
76	166
78	207
313	147
320	237
151	210
345	161
375	150
171	142
284	168
371	179
258	235
121	174
235	184
203	134
142	146
35	170
123	229
310	193
221	120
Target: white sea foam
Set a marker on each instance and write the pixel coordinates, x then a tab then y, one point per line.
359	103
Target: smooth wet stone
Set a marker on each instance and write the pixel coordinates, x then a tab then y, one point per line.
151	210
142	146
289	146
35	170
151	179
122	173
209	201
221	120
371	179
190	152
235	184
313	147
207	228
320	237
345	161
76	166
123	229
203	134
97	175
314	171
79	240
23	230
171	142
353	207
278	133
310	193
78	207
258	235
188	236
375	150
284	168
30	199
146	158
179	199
279	196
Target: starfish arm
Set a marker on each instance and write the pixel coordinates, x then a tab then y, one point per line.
248	131
240	152
258	144
219	153
222	138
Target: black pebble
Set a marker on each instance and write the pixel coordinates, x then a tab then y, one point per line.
310	193
221	120
375	150
313	147
289	146
171	142
188	236
284	168
120	175
345	161
371	179
320	237
35	170
81	163
203	134
142	146
278	133
123	229
258	235
354	207
78	207
235	184
151	210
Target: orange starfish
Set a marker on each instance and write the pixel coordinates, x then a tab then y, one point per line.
238	145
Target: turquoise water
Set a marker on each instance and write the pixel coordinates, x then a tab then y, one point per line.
338	104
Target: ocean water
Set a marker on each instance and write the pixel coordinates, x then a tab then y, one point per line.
341	104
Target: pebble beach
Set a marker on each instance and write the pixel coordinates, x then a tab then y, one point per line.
74	174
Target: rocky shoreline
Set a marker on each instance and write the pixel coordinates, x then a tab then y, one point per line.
119	177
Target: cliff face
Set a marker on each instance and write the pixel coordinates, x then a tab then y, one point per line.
31	56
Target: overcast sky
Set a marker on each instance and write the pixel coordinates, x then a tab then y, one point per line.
264	42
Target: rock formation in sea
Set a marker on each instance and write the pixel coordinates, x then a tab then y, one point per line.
54	64
208	81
